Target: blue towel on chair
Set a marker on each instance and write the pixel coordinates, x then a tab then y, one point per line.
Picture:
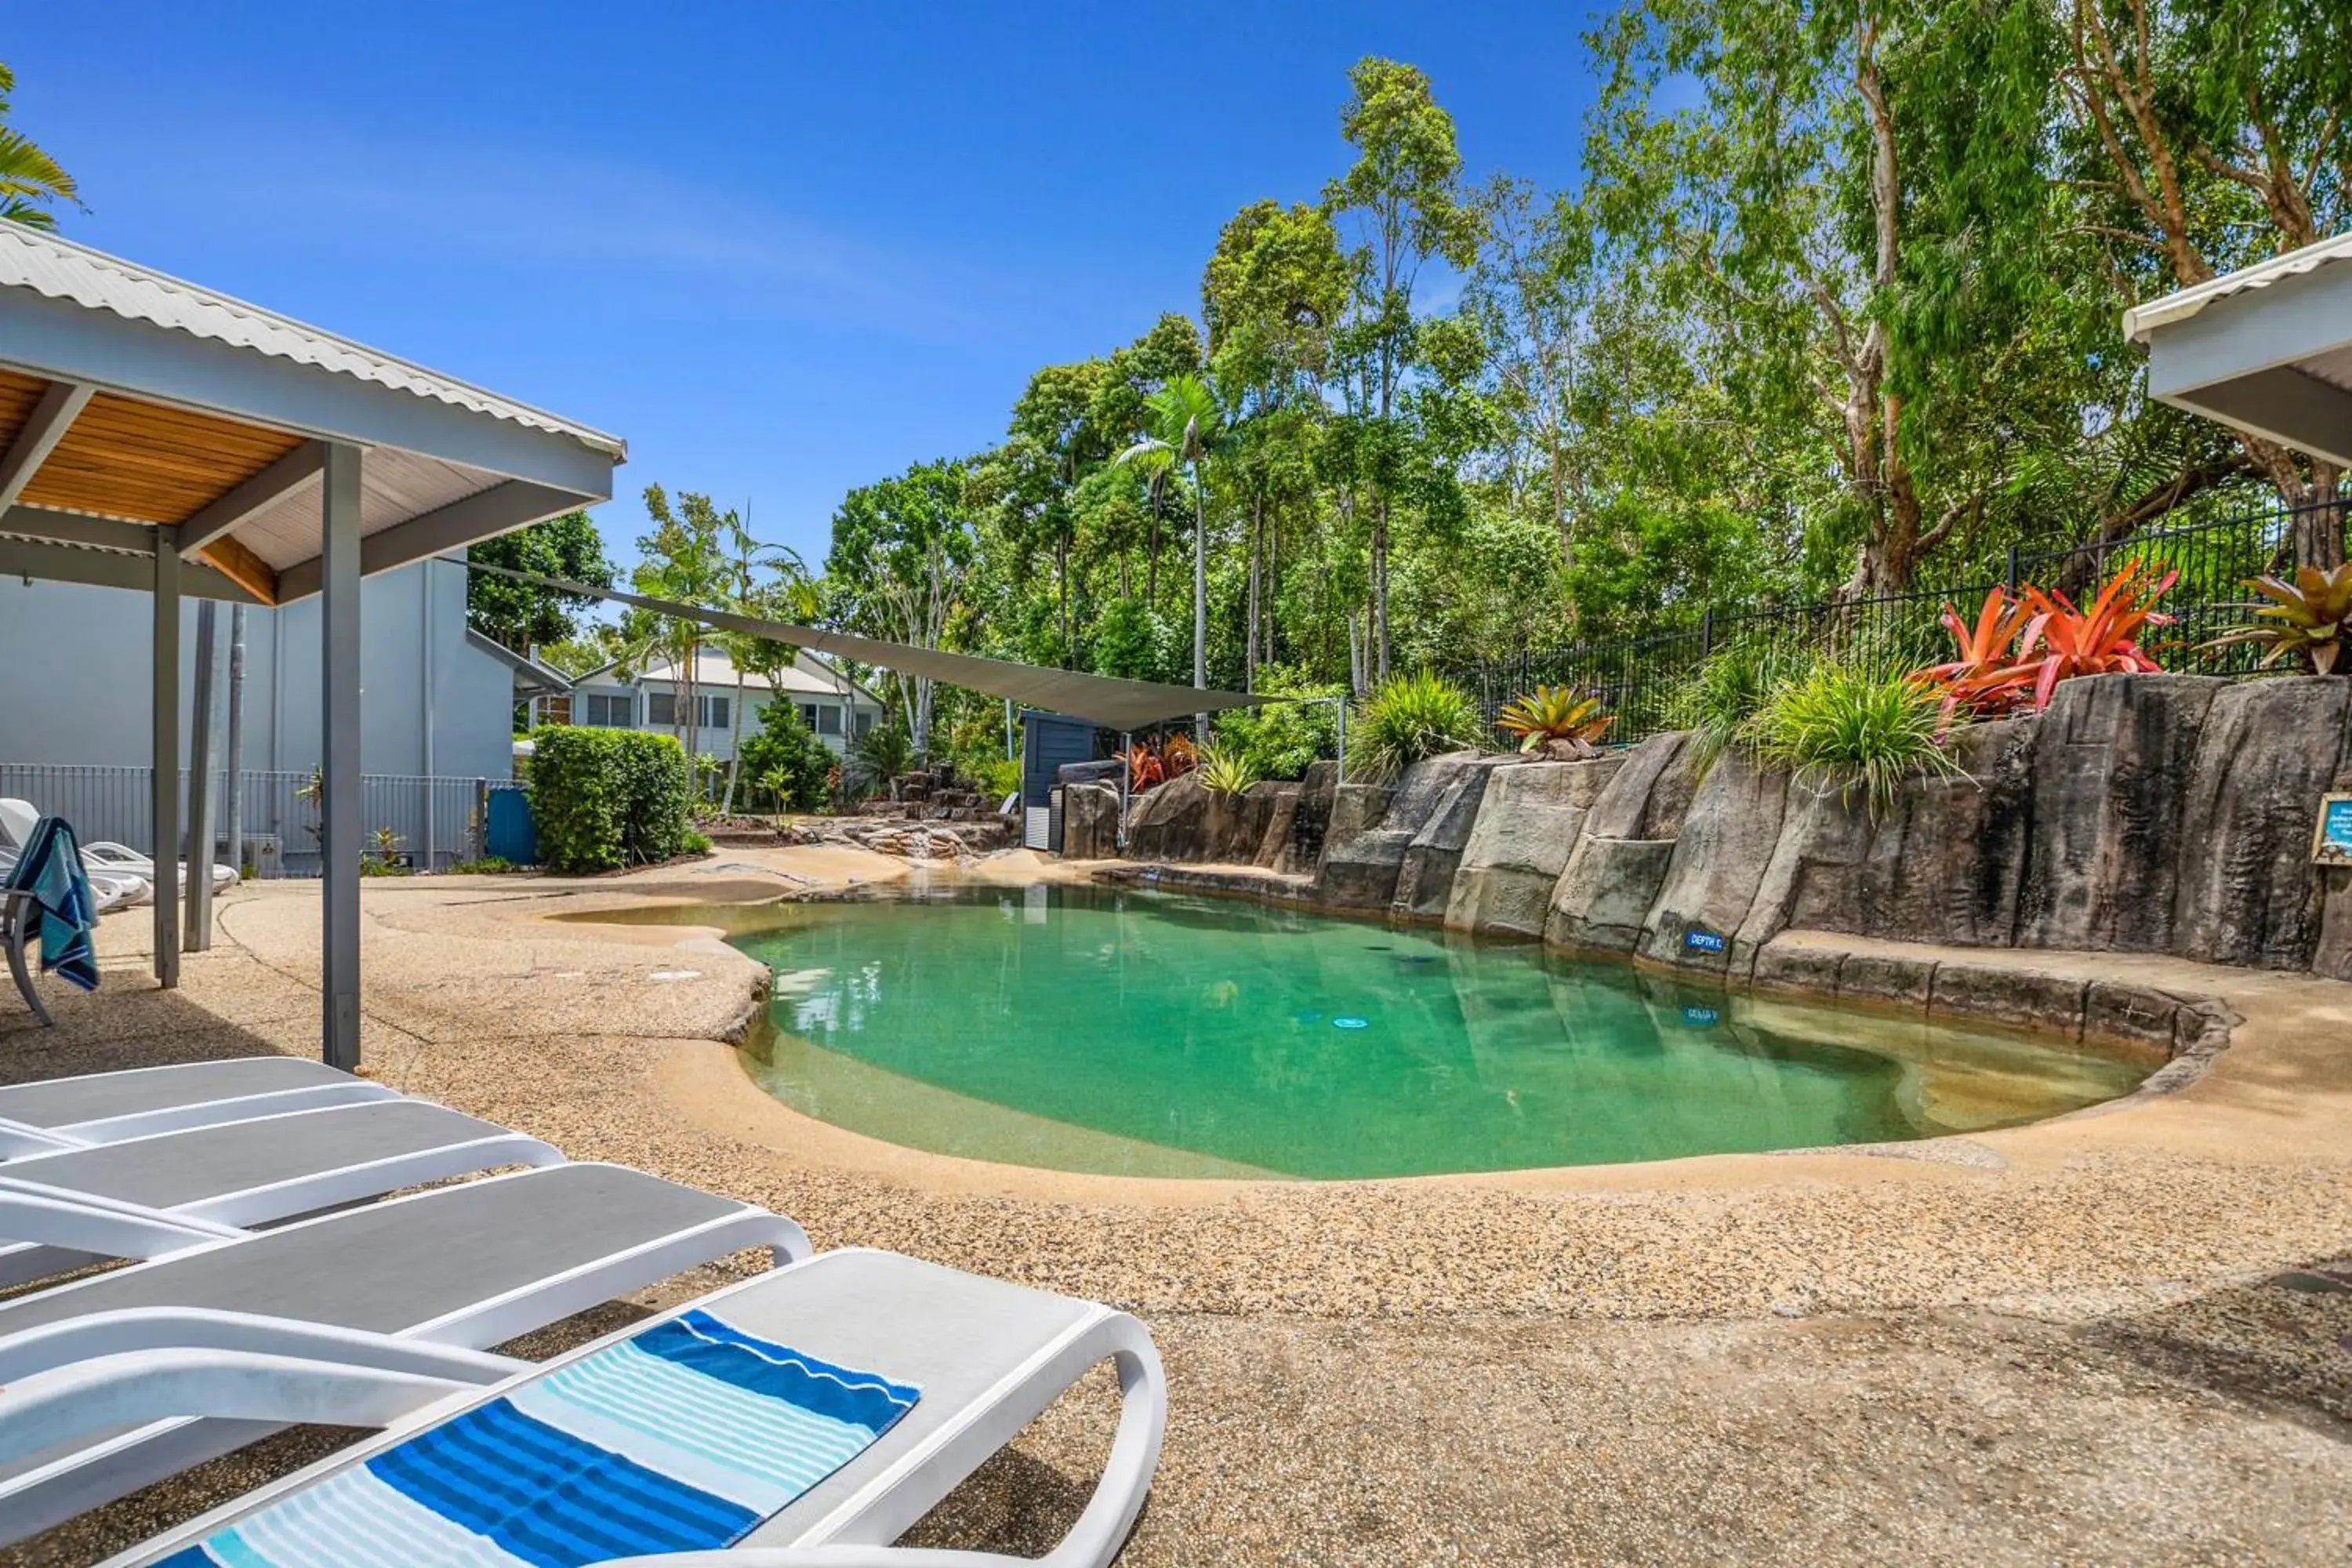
682	1437
51	869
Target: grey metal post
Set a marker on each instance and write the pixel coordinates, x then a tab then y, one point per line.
233	795
164	744
1125	775
197	932
338	836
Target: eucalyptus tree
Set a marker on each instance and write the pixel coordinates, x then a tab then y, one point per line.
683	560
1404	192
31	182
1183	429
2205	135
902	551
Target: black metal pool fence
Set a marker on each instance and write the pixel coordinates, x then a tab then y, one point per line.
1644	679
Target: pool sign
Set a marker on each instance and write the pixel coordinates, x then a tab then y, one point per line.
1698	939
2332	843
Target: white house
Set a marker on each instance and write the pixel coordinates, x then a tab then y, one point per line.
835	707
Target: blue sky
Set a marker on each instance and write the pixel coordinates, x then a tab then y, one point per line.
782	250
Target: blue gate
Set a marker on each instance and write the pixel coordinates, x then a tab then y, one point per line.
510	834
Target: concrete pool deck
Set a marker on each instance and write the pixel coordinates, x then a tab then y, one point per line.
2117	1336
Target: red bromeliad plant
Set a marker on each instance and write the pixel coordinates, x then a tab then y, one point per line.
2053	640
1149	766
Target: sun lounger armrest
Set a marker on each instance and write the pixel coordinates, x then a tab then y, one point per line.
136	1387
17	1138
101	1334
55	1217
1099	1532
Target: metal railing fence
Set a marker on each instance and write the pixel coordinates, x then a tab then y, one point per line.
434	822
1643	678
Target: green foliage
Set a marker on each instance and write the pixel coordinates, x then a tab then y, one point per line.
694	842
1226	770
877	756
1136	643
2309	619
1728	692
483	865
517	614
1281	740
784	762
1557	721
1408	718
605	798
1864	731
31	182
994	777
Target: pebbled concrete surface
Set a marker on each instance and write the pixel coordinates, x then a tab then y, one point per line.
2124	1337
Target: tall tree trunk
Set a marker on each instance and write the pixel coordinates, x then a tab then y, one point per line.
1152	562
1249	630
1381	586
1062	575
1272	584
734	744
1199	601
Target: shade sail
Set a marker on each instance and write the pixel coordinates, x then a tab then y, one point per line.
1103	700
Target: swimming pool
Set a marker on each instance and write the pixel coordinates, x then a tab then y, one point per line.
1136	1033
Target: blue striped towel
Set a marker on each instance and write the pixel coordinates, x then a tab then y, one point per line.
51	869
680	1438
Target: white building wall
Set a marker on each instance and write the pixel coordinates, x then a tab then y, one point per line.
431	703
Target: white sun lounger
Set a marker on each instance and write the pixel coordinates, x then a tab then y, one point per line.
429	1279
986	1355
168	1192
103	856
108	1107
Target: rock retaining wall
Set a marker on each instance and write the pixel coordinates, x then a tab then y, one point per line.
2144	814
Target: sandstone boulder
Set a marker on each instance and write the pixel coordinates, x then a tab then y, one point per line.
2111	765
1374	826
1426	876
1605	891
1526	827
1089	821
1171	822
2246	891
1727	839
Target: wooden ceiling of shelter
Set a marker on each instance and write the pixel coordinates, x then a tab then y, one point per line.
146	462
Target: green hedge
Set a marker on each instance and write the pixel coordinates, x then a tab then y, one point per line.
602	798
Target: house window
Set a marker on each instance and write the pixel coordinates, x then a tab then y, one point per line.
555	710
828	720
661	711
714	711
611	710
808	716
863	723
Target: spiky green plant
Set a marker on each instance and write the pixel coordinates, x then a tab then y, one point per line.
2310	617
1226	770
1728	692
1863	730
1556	720
1408	718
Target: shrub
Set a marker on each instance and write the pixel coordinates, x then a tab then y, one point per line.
785	763
876	757
1226	770
486	865
994	777
1408	718
1862	730
696	842
2310	617
1555	721
2054	641
1281	740
1150	764
602	798
1730	687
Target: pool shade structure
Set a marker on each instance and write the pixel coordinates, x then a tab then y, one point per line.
1107	702
2266	350
163	437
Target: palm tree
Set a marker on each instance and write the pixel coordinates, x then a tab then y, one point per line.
29	178
789	594
1180	423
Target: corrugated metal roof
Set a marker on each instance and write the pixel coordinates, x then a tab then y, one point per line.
2142	319
60	270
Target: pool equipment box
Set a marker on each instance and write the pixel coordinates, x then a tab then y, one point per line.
2331	843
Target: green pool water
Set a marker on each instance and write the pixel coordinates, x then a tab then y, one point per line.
1092	1030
